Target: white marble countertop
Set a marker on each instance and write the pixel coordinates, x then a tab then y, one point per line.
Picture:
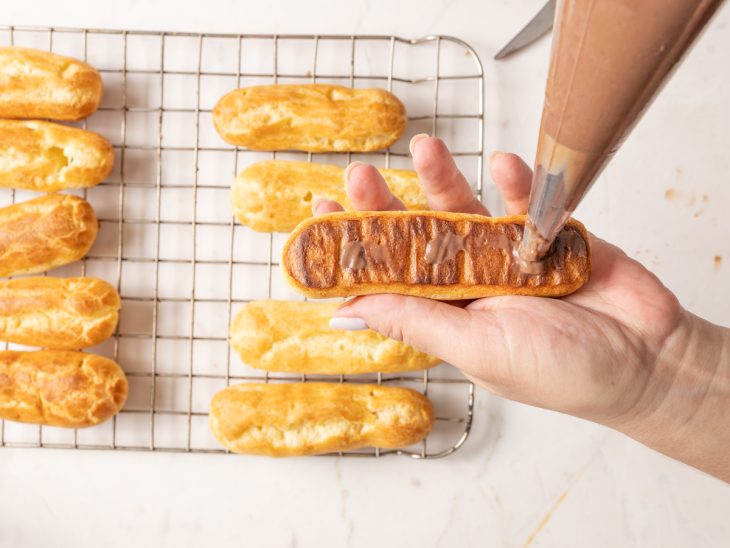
525	476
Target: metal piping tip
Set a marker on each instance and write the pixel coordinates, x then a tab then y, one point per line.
532	249
547	213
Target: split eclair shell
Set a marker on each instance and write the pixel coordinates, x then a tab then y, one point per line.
433	254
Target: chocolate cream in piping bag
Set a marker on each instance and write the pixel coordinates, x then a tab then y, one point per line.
609	59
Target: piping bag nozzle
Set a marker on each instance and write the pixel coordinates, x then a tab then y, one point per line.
549	210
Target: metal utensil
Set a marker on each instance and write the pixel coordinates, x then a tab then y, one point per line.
536	28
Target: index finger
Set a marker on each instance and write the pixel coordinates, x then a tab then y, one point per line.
445	187
513	177
367	189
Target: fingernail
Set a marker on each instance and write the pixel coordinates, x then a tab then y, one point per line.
348	324
415	139
316	201
349	168
492	155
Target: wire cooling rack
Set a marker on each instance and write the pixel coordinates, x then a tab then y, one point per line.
167	238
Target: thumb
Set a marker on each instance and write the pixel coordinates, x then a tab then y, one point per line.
434	327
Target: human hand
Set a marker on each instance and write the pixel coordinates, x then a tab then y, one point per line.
610	352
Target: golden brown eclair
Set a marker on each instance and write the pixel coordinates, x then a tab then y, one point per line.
432	254
60	388
44	233
295	337
40	84
60	313
46	157
292	419
310	117
276	195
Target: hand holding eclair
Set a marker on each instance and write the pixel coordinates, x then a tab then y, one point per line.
620	351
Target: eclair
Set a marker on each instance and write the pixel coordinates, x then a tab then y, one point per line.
292	419
44	233
310	117
432	254
59	313
40	84
295	337
60	388
47	157
276	195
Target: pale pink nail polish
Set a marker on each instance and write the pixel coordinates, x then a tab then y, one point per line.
348	324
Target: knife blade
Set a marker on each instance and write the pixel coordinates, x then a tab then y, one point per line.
537	27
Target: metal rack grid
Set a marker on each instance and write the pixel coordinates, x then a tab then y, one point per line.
171	339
